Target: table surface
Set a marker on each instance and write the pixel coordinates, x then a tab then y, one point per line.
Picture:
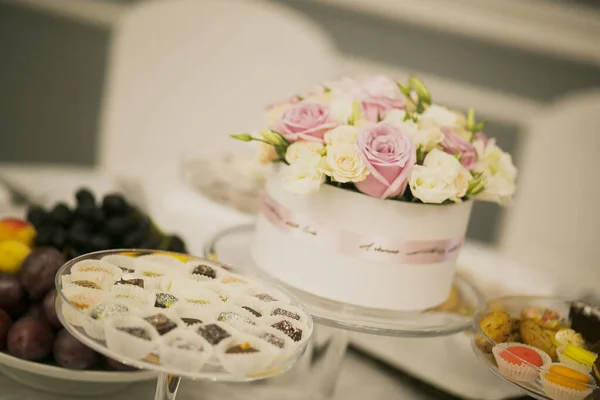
361	377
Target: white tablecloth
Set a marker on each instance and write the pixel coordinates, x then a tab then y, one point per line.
446	362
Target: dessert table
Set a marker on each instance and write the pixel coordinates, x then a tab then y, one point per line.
176	207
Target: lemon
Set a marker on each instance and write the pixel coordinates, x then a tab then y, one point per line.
12	255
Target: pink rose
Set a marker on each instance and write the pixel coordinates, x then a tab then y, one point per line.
389	155
306	121
377	94
454	143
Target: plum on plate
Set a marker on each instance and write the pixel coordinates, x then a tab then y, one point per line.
11	292
36	311
39	269
5	323
49	305
30	339
116	365
71	353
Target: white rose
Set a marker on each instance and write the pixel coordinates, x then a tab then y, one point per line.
302	149
304	176
340	108
428	185
499	172
440	178
423	134
345	164
438	159
266	153
343	134
441	116
396	118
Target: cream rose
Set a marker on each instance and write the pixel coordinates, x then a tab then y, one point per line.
301	150
440	178
266	153
499	172
345	164
304	176
424	135
440	116
343	134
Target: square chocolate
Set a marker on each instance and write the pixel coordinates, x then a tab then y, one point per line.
286	327
213	333
161	323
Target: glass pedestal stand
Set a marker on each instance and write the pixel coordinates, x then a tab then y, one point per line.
334	320
112	313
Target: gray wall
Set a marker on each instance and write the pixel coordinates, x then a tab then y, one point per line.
51	82
52	73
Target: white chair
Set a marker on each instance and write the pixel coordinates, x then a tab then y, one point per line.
554	225
184	74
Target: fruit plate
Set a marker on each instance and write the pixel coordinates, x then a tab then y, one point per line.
541	334
57	380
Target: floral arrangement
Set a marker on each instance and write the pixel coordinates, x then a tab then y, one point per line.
386	140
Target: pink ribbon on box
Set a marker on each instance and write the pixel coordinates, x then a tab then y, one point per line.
389	250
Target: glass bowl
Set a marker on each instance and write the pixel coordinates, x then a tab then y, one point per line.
492	346
88	283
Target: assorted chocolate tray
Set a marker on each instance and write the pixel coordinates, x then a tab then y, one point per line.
182	313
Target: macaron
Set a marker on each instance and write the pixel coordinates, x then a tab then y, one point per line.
518	355
567	377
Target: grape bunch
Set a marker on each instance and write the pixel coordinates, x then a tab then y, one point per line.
111	223
29	326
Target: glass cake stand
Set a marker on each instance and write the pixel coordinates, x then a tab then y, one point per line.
482	344
76	320
232	246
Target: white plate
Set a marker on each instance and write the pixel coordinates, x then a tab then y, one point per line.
54	379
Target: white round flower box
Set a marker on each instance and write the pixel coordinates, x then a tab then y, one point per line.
353	248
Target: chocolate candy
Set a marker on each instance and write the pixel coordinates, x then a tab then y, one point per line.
87	284
265	297
161	323
130	280
231	316
165	300
286	327
286	313
242	348
191	321
213	333
137	332
205	270
274	340
252	311
106	310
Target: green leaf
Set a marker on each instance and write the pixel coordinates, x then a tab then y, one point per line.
420	155
420	108
326	89
273	138
404	89
355	114
479	127
244	137
407	116
471	119
300	98
421	89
